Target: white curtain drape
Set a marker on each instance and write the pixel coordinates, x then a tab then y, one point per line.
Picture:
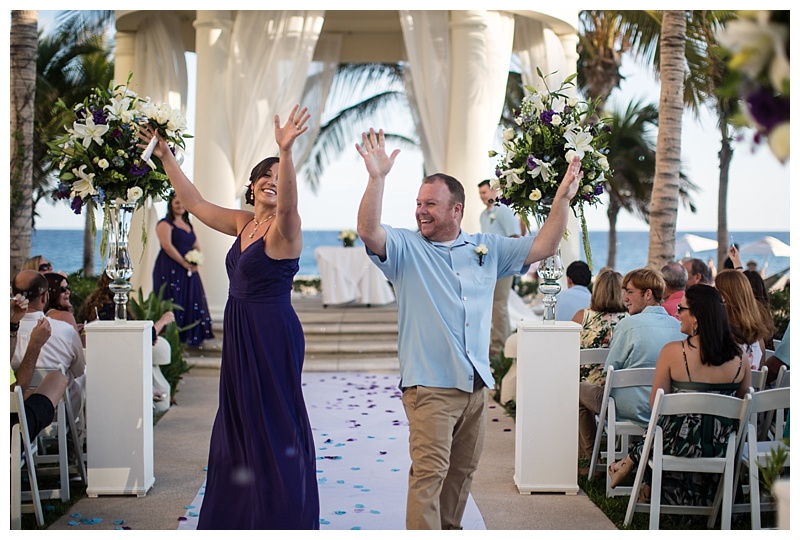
540	47
315	94
427	41
269	56
159	73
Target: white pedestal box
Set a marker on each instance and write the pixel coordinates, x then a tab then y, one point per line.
119	407
546	446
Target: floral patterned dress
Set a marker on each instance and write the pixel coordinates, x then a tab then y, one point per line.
692	435
596	334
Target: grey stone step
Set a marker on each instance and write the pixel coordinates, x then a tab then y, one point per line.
344	363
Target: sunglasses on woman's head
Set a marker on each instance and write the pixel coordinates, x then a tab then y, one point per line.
681	309
45	266
64	288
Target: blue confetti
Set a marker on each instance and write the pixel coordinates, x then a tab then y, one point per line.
358	486
365	490
379	460
340	481
395	470
359	506
356	528
355	468
322	480
324	521
319	471
189	506
73	523
340	444
193	514
75	515
370	436
119	521
339	512
374	512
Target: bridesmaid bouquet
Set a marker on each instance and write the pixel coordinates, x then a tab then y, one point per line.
551	129
193	257
348	237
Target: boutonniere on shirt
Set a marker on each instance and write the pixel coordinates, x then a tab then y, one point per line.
481	251
491	217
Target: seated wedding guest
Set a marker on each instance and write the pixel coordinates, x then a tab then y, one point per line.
708	360
750	321
38	263
697	272
762	297
674	275
577	294
40	402
64	347
637	343
779	358
444	288
605	310
58	304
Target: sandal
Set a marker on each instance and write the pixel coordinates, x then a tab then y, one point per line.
619	471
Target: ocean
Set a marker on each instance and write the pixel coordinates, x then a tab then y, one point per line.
64	249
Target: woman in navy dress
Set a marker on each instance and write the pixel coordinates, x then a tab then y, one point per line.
177	238
261	464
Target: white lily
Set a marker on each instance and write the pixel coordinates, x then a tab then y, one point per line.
779	141
494	183
578	140
558	104
539	170
118	108
90	131
84	185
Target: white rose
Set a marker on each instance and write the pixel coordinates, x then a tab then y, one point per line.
587	189
508	134
569	155
135	193
556	119
103	164
603	162
535	195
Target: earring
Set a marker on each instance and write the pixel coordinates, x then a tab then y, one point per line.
694	330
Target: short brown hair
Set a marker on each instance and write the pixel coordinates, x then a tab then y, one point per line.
645	278
453	186
607	293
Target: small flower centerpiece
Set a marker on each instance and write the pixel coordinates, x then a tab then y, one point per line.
551	129
193	257
348	237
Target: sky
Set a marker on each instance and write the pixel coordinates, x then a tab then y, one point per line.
757	194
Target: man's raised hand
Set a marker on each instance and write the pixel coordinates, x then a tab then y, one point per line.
373	150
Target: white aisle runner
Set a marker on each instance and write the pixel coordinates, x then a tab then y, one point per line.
361	437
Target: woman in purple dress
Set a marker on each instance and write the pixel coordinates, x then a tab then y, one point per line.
261	464
177	238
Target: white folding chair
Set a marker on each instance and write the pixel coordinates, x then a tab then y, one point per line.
756	452
624	429
64	425
758	378
689	403
23	451
593	356
765	425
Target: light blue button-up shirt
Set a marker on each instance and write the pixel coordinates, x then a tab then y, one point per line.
636	342
499	220
444	299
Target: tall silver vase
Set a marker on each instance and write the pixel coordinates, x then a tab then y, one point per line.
550	271
119	267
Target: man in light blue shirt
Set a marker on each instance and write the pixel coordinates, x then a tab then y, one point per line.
443	281
636	343
498	219
577	295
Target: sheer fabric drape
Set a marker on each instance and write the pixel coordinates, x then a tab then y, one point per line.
427	42
540	47
268	60
159	73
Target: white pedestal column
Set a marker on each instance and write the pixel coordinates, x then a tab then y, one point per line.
481	45
119	408
213	171
546	446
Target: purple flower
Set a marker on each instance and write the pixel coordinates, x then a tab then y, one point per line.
531	162
76	205
116	133
61	192
139	170
547	117
99	117
598	189
504	200
767	109
498	173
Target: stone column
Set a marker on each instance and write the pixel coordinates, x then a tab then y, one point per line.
481	46
213	170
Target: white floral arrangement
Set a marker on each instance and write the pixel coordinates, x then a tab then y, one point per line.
348	237
194	257
481	251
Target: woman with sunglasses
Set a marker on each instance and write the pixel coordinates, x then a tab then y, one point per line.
38	263
58	305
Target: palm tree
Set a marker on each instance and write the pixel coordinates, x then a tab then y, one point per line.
632	157
23	91
664	200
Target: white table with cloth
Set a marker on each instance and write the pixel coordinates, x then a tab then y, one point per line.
348	276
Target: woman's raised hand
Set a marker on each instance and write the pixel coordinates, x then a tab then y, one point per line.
294	126
373	150
146	134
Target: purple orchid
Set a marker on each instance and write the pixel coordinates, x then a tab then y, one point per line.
139	170
547	117
768	110
76	205
598	189
99	116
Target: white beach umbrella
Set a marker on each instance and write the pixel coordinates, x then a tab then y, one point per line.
687	244
766	246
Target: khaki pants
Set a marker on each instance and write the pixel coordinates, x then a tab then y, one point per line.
590	400
500	325
446	429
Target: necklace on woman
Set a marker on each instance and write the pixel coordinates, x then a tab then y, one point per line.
257	224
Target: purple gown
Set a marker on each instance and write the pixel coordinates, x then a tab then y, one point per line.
261	463
185	291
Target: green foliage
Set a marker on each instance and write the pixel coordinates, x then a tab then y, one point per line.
773	469
500	366
526	289
81	286
152	308
779	301
307	285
